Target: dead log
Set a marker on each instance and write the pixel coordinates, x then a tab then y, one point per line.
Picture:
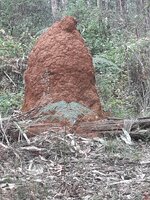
137	128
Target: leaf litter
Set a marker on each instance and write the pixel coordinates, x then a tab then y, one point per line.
66	166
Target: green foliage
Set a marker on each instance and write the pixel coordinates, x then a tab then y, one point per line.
18	16
107	39
137	66
62	110
117	37
108	73
10	48
9	102
123	75
111	80
104	65
91	25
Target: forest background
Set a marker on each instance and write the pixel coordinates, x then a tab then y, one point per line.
117	32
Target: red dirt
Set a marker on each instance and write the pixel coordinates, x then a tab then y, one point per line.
60	68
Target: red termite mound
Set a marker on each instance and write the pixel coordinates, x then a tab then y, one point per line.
60	68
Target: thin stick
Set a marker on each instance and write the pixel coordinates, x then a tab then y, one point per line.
10	79
3	131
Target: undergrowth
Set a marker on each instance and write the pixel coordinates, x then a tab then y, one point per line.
9	102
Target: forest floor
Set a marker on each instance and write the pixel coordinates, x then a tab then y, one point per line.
66	166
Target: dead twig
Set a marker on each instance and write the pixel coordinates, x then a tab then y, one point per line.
3	130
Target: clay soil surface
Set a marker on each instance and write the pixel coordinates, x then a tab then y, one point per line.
66	166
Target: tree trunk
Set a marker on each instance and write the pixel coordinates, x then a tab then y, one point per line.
121	7
64	3
54	6
148	14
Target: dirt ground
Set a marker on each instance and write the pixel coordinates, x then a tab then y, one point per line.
65	166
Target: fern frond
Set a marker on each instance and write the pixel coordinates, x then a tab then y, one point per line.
103	61
104	64
63	110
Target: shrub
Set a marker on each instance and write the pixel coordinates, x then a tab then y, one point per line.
19	16
10	102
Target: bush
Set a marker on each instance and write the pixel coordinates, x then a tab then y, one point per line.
19	16
10	102
93	27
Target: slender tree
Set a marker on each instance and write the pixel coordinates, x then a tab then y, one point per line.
54	7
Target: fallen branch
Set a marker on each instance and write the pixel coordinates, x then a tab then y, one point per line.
138	129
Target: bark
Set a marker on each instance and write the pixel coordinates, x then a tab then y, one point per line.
138	129
98	3
64	3
121	7
148	14
54	7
